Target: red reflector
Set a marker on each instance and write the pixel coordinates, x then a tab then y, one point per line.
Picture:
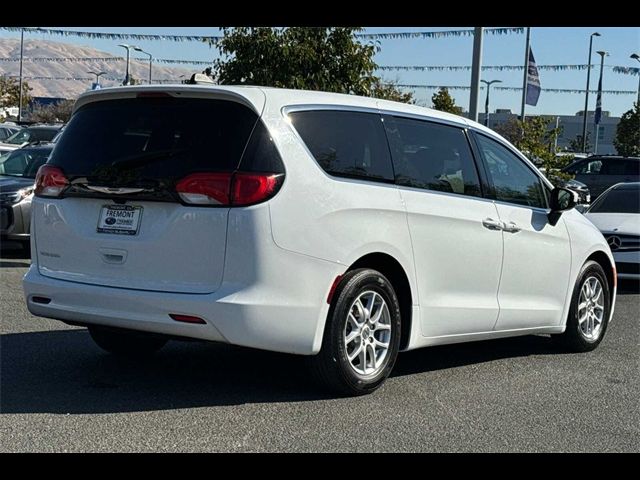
50	181
205	188
615	276
332	290
186	318
250	188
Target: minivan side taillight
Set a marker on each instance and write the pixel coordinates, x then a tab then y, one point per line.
50	182
228	189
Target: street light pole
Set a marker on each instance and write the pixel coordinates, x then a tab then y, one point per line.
126	76
486	103
138	49
586	95
597	127
97	74
637	57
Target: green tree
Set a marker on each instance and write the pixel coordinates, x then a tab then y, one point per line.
575	145
443	101
10	92
536	140
310	58
59	112
627	141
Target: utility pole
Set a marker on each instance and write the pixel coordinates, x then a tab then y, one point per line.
475	73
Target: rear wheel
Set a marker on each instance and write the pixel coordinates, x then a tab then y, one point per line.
362	335
589	312
126	342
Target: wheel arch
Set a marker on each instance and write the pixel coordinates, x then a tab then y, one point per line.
397	275
604	261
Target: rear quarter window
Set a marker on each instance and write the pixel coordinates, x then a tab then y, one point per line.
351	144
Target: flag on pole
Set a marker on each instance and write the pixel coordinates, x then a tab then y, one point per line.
598	113
533	81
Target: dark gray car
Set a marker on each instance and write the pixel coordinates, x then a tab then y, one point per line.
601	172
17	175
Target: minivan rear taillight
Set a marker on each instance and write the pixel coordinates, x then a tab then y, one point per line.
50	182
228	189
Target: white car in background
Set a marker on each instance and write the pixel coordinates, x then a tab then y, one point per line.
616	213
338	227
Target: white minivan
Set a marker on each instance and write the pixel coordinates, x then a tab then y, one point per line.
342	228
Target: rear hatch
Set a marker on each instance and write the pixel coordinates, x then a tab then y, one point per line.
119	220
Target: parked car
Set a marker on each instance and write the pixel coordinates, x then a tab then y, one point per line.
617	214
600	172
41	133
584	195
17	175
7	130
338	227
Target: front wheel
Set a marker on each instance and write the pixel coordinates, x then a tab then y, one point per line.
589	312
127	343
362	335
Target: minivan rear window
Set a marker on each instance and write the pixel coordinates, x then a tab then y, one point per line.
131	140
346	143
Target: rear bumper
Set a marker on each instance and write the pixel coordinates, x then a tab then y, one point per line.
286	314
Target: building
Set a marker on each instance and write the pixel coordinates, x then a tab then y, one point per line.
571	127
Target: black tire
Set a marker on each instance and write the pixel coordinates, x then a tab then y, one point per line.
331	366
573	340
127	343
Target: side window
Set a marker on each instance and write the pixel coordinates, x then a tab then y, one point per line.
512	180
632	168
431	156
613	167
346	143
589	167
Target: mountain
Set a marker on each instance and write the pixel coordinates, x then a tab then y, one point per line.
114	70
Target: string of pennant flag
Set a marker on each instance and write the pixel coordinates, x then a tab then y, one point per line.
513	89
418	68
401	85
215	38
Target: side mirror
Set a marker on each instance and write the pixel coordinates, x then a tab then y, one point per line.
562	199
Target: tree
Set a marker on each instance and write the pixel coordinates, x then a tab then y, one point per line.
10	93
310	58
575	145
627	141
59	112
536	140
444	102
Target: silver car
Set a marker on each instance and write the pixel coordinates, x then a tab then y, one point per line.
17	175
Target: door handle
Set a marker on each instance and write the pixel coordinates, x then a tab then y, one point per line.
511	227
492	224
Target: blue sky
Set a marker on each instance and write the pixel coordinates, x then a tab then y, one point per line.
551	45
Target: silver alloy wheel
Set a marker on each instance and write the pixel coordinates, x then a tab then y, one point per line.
367	333
591	309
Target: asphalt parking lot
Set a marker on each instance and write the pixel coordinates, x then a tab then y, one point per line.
59	392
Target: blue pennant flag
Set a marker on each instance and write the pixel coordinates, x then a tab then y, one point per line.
533	82
598	114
